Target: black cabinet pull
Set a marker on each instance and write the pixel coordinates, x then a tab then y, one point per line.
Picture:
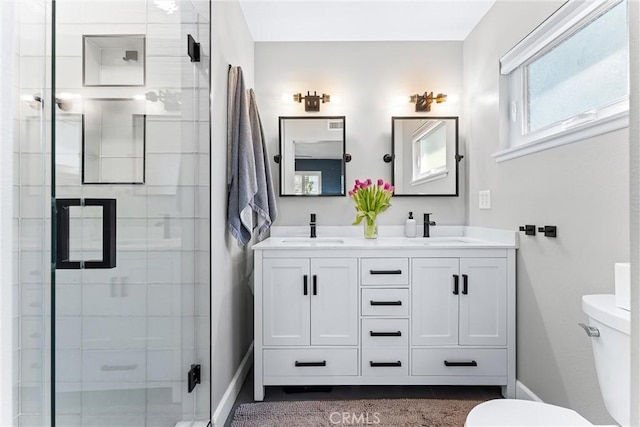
385	364
385	271
456	284
465	284
385	334
315	284
385	302
305	280
308	364
472	363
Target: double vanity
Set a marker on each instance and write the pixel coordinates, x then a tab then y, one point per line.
344	310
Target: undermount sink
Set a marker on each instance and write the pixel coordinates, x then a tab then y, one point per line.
312	241
435	241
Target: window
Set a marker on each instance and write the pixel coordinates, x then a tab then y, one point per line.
308	182
429	152
569	79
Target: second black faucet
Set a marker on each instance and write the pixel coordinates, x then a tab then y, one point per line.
427	224
312	225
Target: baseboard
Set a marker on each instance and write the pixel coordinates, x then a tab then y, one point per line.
225	406
523	393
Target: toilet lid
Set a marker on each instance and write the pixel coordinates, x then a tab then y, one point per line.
512	412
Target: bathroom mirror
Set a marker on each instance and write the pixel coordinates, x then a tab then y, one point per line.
424	156
113	60
312	156
113	146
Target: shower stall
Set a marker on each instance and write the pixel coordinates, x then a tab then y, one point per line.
111	212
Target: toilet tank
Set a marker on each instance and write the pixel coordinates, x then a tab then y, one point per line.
611	351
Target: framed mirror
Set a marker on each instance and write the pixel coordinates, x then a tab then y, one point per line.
312	156
425	156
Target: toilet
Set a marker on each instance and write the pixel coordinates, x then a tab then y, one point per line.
611	351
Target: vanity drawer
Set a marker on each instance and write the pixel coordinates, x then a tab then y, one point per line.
385	302
460	361
307	362
385	332
386	361
384	271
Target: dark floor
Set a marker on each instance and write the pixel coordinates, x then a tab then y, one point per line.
274	394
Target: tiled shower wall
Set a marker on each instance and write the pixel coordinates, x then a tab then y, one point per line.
31	278
127	336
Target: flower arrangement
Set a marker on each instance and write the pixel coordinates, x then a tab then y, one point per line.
371	200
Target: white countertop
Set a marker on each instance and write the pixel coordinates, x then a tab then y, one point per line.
390	237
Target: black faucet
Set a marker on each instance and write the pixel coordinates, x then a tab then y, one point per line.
427	223
312	224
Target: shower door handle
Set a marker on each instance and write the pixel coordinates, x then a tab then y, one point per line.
108	233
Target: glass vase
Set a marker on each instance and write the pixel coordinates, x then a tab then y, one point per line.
370	228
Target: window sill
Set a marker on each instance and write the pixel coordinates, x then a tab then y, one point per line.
578	133
430	177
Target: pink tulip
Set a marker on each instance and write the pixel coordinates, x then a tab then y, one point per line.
350	193
387	186
380	182
392	188
357	181
369	181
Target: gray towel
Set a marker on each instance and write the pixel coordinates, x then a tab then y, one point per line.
249	175
242	174
264	201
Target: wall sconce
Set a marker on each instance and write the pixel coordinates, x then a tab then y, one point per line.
311	102
423	102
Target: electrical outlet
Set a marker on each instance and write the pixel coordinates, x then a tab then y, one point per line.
485	199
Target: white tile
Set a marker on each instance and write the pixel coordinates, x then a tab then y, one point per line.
69	420
113	366
68	299
31	168
164	71
131	234
31	234
31	333
174	202
68	399
157	15
69	72
30	135
170	300
31	399
125	12
68	11
203	235
170	332
31	301
167	137
171	234
112	420
202	299
165	365
32	201
131	269
165	170
68	36
164	267
31	365
103	333
68	332
122	170
26	420
203	202
31	72
68	364
31	267
31	39
164	40
116	402
130	202
107	300
68	169
202	331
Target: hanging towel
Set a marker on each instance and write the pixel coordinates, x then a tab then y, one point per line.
241	173
264	201
248	173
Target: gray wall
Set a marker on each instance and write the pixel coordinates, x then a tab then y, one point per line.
374	81
583	188
231	298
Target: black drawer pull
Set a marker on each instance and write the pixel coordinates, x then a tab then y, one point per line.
472	363
307	364
385	364
385	271
465	284
385	302
385	334
456	284
315	285
305	284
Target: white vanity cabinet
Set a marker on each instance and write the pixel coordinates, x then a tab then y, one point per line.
370	313
310	301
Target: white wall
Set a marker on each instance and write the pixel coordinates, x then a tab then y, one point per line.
583	188
373	81
231	298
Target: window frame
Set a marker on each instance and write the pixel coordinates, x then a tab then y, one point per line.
563	24
416	148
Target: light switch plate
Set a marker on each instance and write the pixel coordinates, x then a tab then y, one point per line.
484	199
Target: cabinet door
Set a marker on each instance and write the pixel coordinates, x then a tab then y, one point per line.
483	309
286	305
334	301
434	305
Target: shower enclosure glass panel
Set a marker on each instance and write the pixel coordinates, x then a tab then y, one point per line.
132	315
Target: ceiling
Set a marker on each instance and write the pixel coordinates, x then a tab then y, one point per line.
363	20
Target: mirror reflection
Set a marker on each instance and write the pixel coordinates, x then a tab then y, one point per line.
425	153
312	156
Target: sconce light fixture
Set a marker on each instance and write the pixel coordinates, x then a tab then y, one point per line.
423	102
311	102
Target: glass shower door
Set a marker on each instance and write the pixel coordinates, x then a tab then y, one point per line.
131	174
